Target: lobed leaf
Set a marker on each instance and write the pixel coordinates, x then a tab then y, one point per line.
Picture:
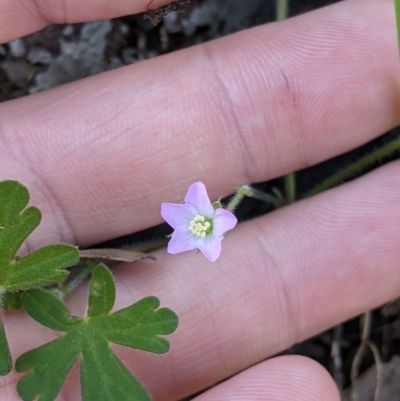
101	292
103	376
44	266
47	309
140	326
41	267
48	366
14	232
5	355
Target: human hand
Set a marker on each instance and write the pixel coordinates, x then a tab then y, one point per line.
100	155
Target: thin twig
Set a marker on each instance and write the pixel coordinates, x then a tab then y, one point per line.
336	355
365	344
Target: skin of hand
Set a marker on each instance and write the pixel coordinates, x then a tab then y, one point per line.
100	155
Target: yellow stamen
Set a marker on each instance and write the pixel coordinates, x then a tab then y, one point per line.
199	226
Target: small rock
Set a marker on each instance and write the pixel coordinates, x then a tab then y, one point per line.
68	30
38	55
17	47
18	72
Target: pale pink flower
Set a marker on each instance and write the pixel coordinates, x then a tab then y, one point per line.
197	224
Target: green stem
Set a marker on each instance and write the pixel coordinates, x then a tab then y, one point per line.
276	201
69	288
238	197
281	9
290	188
397	12
356	167
290	179
5	355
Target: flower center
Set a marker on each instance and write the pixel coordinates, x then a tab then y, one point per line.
200	226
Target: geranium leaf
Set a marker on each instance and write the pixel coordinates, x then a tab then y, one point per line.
140	326
44	266
41	267
103	376
101	292
49	366
47	309
15	225
5	355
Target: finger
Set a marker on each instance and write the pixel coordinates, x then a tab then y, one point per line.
102	154
281	278
21	17
279	379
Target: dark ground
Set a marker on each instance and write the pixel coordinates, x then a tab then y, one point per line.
61	54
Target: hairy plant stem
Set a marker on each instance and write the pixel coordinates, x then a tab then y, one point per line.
148	246
356	167
238	197
276	200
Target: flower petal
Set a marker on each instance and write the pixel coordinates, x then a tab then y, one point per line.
177	214
182	240
210	246
198	198
223	221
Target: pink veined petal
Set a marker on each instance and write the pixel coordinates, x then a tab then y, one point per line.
197	197
210	246
223	221
182	240
177	214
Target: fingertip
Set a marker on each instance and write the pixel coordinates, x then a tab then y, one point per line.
283	378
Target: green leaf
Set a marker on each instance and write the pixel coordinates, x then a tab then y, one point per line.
103	376
101	292
140	326
12	300
41	267
5	355
47	309
49	366
15	224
